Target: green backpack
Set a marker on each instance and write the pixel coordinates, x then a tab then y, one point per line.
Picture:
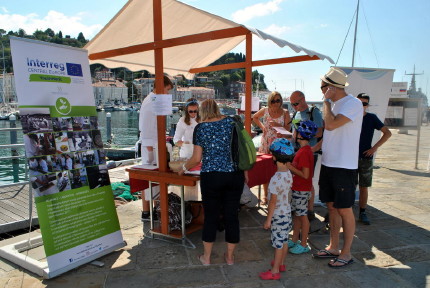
243	150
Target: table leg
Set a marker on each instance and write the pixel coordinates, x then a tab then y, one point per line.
151	208
183	213
259	195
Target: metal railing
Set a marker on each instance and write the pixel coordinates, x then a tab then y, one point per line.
9	190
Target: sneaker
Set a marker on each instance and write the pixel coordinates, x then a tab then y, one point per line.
363	218
291	243
299	249
268	275
311	215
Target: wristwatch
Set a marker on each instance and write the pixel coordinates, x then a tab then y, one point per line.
327	100
184	168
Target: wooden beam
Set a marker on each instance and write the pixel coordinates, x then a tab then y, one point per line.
248	82
300	58
166	43
254	63
218	67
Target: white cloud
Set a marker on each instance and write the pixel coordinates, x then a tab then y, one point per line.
257	10
57	21
323	25
276	30
4	9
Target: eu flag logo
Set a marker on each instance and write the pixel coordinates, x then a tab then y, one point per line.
74	69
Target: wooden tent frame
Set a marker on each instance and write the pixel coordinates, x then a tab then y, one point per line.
159	44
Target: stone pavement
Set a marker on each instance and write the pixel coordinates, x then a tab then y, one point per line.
394	251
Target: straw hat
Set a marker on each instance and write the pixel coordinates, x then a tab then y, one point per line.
335	77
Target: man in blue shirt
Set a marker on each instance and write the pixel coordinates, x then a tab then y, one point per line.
366	152
303	113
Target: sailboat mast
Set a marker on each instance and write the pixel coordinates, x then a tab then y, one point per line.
355	33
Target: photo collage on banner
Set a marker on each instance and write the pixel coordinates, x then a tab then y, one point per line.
64	148
63	152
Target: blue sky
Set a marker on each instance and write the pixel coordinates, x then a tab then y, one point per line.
391	33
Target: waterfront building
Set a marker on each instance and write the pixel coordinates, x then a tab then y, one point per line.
108	89
236	89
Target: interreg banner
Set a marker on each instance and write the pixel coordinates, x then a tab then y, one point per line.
67	166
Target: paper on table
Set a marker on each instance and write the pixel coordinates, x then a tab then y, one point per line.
282	130
146	167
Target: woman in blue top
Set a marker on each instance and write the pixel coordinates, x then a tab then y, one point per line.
221	184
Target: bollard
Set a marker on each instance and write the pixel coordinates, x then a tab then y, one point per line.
108	127
428	164
14	152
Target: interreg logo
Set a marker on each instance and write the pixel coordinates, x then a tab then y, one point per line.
54	68
62	105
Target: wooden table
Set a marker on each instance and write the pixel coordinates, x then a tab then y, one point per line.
261	173
136	174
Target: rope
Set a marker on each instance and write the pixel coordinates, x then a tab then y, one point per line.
340	52
371	38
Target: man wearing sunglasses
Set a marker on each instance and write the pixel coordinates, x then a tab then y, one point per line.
343	115
371	123
303	113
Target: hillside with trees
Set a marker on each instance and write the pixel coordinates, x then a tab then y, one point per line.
219	80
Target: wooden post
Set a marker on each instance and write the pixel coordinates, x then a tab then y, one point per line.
248	82
161	120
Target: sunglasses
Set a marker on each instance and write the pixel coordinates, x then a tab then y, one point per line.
295	104
323	86
275	101
365	104
193	111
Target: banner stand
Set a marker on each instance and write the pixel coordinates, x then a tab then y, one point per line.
13	253
68	174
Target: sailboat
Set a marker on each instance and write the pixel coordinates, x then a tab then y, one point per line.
8	106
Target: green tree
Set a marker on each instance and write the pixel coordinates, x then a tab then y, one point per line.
40	35
21	33
81	38
50	32
225	79
60	34
235	77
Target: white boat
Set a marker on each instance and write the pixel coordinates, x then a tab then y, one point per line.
7	110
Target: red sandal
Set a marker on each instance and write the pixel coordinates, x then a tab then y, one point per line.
268	275
282	268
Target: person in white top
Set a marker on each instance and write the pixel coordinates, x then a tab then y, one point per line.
43	166
148	125
69	162
148	135
186	124
338	176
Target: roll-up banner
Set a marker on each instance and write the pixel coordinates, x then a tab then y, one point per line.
64	148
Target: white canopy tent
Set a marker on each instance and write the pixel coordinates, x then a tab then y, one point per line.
132	31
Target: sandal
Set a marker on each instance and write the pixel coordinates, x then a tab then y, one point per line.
264	201
228	262
201	261
268	275
324	254
344	262
282	268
